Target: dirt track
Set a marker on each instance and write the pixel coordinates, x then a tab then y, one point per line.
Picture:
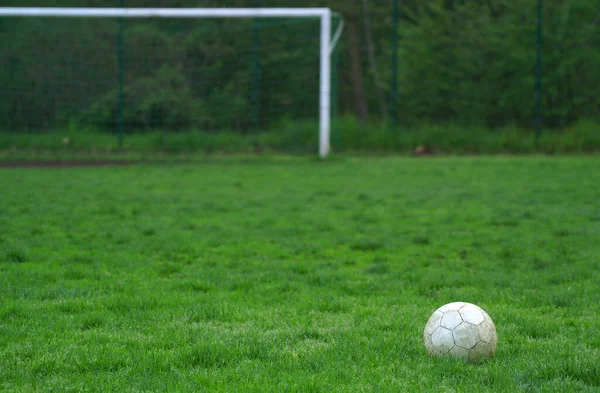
62	164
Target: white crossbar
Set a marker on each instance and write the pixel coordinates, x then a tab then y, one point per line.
164	12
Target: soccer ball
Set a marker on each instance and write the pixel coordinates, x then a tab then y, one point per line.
462	330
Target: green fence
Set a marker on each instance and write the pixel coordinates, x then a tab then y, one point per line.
401	66
490	62
141	75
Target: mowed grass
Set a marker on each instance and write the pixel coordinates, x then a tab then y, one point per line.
294	275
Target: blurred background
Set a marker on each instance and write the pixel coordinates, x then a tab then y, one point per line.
446	75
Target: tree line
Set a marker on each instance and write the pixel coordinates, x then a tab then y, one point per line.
459	61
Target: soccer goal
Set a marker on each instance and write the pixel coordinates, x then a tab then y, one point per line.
150	69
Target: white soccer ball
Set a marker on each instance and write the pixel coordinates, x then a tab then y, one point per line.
462	330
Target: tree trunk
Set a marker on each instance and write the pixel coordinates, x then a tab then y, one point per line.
373	60
358	84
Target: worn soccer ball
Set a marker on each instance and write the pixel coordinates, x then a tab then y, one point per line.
461	330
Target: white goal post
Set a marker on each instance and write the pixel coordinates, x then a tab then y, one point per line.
327	45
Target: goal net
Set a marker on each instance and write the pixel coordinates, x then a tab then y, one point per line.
167	70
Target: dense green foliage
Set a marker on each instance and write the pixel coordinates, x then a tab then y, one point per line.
460	61
298	276
178	74
475	62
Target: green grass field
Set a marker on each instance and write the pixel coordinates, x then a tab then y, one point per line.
294	275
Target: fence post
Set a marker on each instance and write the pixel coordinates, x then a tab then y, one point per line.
121	76
256	74
538	72
395	63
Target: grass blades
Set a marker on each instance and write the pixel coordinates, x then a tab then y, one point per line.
291	274
348	136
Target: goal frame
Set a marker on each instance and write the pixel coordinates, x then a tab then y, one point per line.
326	44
